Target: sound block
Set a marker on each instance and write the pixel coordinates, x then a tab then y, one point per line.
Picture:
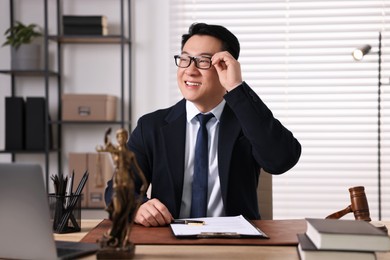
380	226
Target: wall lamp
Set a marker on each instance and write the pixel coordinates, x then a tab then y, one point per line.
358	55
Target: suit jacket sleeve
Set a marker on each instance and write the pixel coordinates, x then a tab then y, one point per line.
274	146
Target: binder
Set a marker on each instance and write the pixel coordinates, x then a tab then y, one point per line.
35	124
14	123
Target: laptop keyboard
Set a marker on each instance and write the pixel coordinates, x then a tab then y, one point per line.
66	251
73	250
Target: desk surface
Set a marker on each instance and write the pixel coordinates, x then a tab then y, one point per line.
203	251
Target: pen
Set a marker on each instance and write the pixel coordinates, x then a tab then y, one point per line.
69	189
68	212
188	222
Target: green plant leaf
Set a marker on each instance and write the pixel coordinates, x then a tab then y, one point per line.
21	34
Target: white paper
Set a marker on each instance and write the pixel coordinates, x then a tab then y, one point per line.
218	225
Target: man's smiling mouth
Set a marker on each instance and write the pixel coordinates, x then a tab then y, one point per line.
189	83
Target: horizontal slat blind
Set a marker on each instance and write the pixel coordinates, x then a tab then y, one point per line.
297	56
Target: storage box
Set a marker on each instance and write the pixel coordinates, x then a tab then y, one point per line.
77	162
100	169
88	107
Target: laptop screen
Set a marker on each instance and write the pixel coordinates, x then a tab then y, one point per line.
26	228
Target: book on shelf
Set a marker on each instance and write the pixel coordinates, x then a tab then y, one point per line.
308	251
336	234
85	30
72	20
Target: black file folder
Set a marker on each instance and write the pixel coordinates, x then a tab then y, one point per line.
14	123
36	124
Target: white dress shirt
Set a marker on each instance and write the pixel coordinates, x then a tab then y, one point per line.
215	206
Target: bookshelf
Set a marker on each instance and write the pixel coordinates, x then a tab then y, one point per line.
53	78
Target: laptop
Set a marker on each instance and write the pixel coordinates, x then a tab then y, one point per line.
25	225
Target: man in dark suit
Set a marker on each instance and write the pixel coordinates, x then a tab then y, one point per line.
243	135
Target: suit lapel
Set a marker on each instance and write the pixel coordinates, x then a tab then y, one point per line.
229	129
174	133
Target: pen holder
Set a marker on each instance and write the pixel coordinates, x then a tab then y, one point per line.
65	213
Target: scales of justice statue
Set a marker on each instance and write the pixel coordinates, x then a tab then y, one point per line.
115	243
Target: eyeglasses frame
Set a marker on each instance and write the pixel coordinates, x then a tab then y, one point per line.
192	58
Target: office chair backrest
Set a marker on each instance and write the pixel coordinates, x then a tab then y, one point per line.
264	195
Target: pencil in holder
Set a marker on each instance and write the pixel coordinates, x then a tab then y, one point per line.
65	213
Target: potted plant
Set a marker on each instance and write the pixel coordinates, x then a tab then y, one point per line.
25	53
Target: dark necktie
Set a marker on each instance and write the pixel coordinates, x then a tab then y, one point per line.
201	170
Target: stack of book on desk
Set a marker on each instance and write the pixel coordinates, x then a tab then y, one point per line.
341	239
84	25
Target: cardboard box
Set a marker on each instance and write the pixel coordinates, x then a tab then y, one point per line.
77	162
87	107
100	169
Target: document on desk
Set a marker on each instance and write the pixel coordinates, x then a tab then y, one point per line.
218	227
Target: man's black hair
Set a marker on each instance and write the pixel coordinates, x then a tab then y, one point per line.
230	42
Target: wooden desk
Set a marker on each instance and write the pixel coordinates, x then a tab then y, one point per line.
86	226
197	252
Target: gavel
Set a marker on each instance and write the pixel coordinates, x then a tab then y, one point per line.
359	205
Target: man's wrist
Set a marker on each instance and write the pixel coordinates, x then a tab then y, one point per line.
234	86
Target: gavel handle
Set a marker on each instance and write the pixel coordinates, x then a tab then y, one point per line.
340	213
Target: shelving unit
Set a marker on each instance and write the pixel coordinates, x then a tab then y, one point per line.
44	73
122	40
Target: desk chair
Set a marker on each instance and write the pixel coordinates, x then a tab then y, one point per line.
264	195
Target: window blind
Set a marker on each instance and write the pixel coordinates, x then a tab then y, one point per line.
297	56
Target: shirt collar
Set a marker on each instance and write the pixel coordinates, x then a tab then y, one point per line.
192	111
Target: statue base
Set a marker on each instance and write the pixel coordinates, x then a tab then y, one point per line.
127	252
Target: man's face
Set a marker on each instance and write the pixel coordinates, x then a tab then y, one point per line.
201	86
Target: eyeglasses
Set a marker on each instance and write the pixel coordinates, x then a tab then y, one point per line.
201	62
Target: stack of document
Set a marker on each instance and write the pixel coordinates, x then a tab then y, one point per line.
231	227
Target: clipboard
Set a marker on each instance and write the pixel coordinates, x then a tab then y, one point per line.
218	227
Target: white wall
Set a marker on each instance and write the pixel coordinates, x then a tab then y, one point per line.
95	68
